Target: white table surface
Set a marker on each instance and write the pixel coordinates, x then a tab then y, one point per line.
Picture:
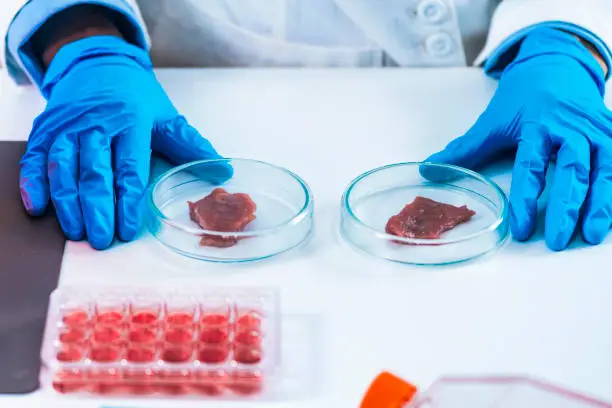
523	310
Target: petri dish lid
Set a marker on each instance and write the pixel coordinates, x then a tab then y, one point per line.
388	391
281	203
374	197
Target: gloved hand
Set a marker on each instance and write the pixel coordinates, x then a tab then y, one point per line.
90	150
549	104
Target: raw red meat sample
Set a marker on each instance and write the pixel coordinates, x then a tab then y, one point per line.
427	219
223	212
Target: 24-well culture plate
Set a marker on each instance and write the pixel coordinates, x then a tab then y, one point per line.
219	342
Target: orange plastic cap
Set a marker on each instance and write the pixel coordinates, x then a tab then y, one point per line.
388	391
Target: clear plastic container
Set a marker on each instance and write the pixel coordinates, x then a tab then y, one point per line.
208	343
374	197
388	391
284	213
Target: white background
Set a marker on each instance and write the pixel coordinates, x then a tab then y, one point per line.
8	8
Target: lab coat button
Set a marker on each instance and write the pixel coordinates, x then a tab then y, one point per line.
439	45
432	11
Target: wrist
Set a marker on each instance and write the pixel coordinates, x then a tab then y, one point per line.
598	57
548	48
86	54
70	25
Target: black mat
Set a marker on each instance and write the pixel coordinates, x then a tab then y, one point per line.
30	259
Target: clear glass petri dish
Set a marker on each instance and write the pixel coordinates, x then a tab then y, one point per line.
373	197
284	213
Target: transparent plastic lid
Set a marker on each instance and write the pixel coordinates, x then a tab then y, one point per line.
229	210
389	391
424	214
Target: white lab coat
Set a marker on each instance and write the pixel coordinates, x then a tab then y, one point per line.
328	33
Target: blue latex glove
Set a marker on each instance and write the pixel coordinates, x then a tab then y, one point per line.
549	104
90	150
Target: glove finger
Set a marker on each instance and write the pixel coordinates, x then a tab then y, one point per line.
63	179
96	188
597	216
475	148
181	143
569	188
132	161
33	182
528	180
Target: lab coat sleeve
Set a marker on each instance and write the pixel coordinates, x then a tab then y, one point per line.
514	19
30	15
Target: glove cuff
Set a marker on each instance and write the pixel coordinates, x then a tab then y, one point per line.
551	41
72	54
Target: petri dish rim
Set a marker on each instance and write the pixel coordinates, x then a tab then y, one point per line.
501	214
295	219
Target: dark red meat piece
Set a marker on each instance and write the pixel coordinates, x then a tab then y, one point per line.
223	212
427	219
